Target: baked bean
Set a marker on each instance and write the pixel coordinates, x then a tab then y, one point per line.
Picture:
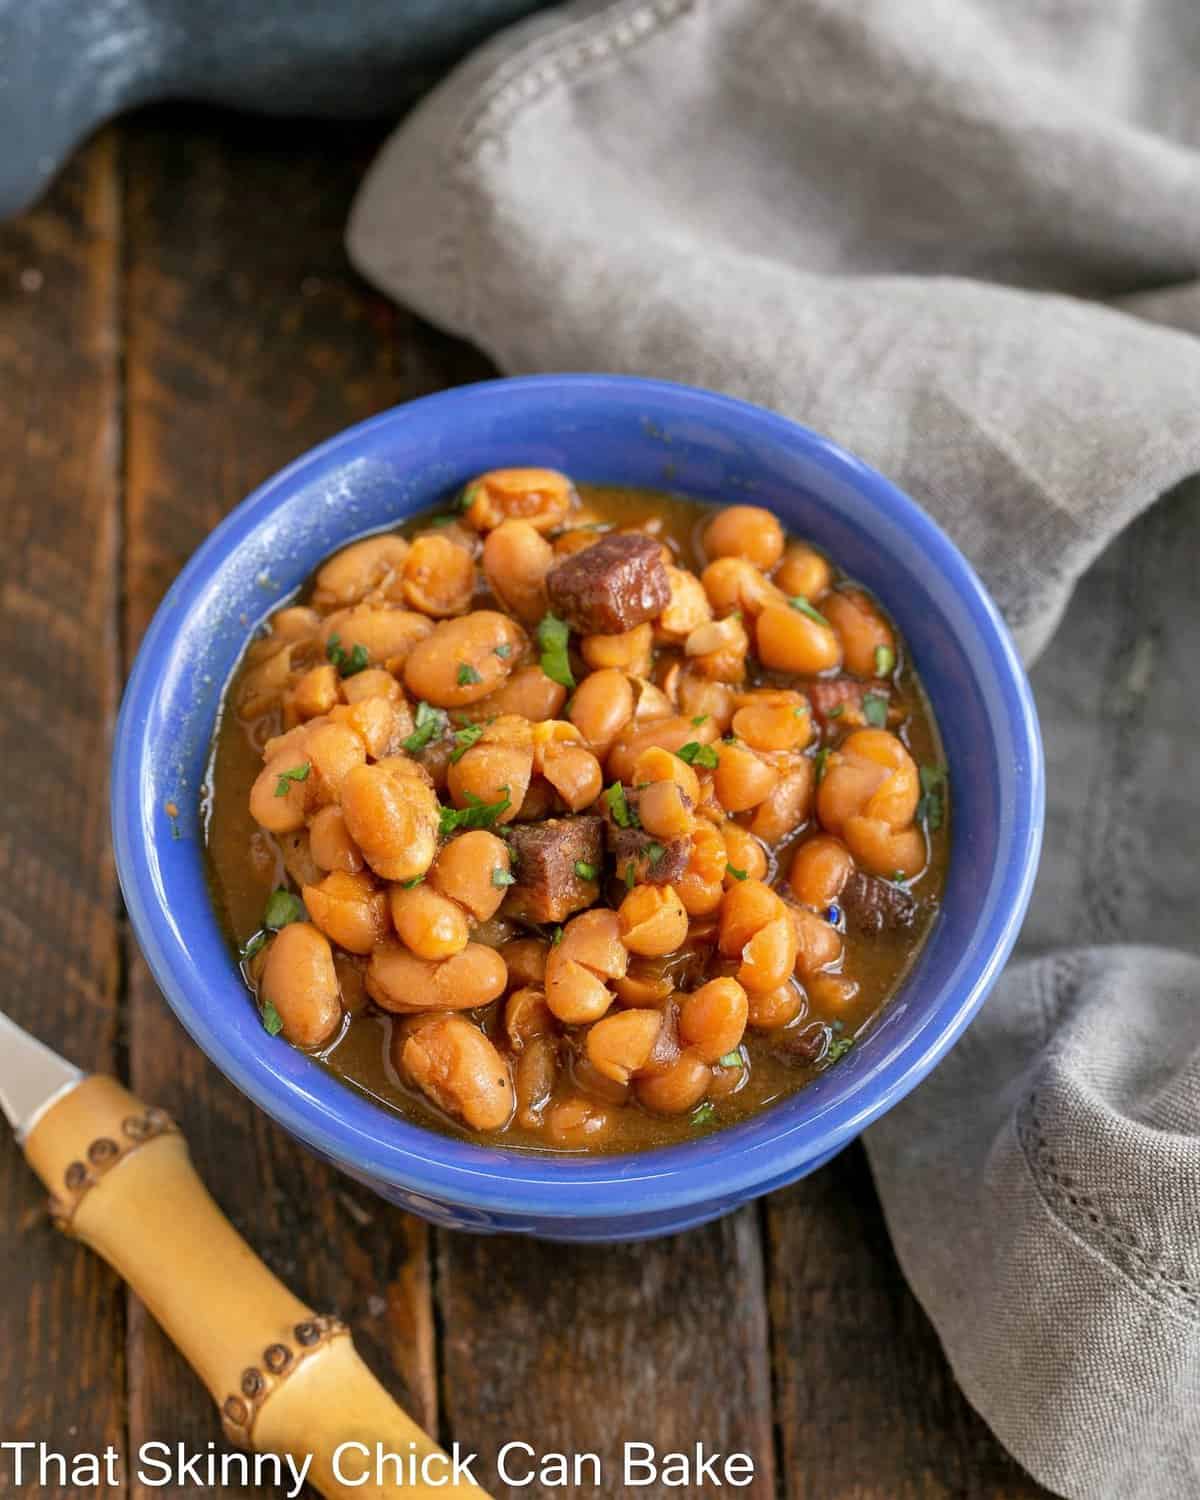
653	921
687	609
803	572
282	793
870	775
330	842
536	1073
299	980
351	978
868	642
712	1019
601	707
817	943
770	955
883	850
667	734
528	693
470	869
787	806
627	652
733	583
375	721
656	764
820	868
461	1071
374	682
744	854
649	701
496	767
578	1124
397	980
333	751
526	1015
745	908
428	923
594	938
788	640
699	888
459	662
386	634
595	1084
439	577
773	720
718	649
372	566
317	691
540	496
525	958
393	818
516	559
571	769
297	857
574	993
742	779
772	1010
645	985
665	811
831	993
349	910
619	1044
680	1088
703	698
728	1078
745	531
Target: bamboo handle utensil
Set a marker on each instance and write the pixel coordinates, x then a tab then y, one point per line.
287	1380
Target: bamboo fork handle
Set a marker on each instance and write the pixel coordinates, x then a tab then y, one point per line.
286	1379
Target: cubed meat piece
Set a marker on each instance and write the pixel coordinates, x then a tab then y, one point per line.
840	702
547	859
619	582
655	861
873	905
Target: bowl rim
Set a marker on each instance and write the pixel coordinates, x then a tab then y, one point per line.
723	1165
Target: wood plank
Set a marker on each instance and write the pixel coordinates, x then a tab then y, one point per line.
865	1402
578	1349
60	1356
250	339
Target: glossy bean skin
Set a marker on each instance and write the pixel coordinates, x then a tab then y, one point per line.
300	981
542	497
278	799
769	957
333	751
457	663
745	908
626	652
653	921
745	531
349	909
317	691
516	559
832	992
528	693
718	649
862	631
330	843
601	707
667	734
804	571
385	633
397	980
787	806
526	1016
712	1019
375	682
820	868
680	1088
438	576
733	583
870	775
742	779
470	870
372	566
427	923
578	1124
743	853
393	819
536	1071
688	608
656	764
773	720
460	1070
525	958
818	944
589	953
881	849
789	640
772	1010
665	810
619	1045
702	882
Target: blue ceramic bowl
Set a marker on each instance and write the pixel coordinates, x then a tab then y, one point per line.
630	432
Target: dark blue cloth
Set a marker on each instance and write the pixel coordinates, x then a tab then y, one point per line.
67	65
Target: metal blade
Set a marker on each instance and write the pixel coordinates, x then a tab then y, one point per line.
32	1078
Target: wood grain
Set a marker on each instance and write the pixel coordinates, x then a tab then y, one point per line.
579	1349
63	1323
866	1405
249	339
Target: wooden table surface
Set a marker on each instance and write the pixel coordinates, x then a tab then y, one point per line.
177	320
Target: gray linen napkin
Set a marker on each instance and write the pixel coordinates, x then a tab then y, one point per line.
962	237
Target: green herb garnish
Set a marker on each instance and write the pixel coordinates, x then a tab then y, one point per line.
705	1115
798	601
282	907
735	872
622	814
501	878
838	1048
297	773
822	756
553	635
875	710
836	711
253	946
503	651
429	722
271	1019
556	937
467	675
699	755
630	876
463	740
731	1059
467	497
409	885
885	661
347	662
931	809
655	852
700	719
476	814
584	870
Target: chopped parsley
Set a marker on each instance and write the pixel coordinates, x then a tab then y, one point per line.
655	852
885	661
630	876
476	814
699	755
798	601
821	758
931	809
347	662
700	719
466	499
282	907
622	814
731	1059
705	1115
556	936
501	878
429	722
467	675
875	710
552	637
503	650
838	1048
735	872
585	871
296	773
463	740
409	885
271	1019
836	711
253	946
